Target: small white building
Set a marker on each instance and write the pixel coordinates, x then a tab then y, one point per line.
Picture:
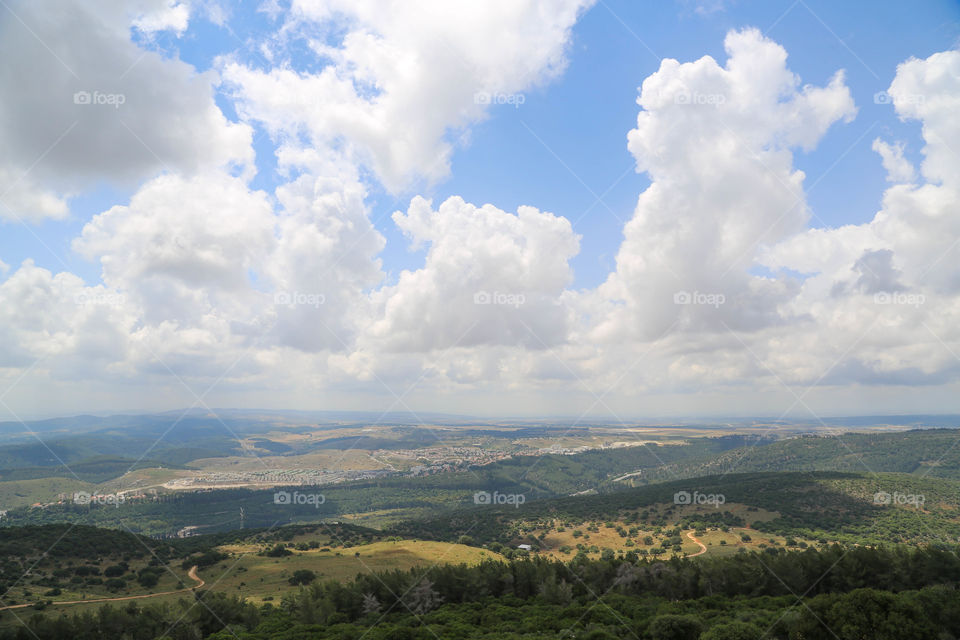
525	547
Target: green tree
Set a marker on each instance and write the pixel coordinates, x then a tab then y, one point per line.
302	576
733	631
675	627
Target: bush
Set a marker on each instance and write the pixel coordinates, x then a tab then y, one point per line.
302	576
148	578
205	559
674	627
115	584
279	551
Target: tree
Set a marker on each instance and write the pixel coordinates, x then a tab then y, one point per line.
148	579
733	631
674	627
302	576
278	551
370	604
422	598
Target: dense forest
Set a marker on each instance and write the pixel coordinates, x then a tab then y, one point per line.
850	593
927	452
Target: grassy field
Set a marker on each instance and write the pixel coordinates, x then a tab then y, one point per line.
21	493
170	578
260	577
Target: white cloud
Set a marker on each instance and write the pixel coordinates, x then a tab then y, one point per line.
207	261
898	168
402	75
285	291
105	110
326	249
489	278
183	246
22	198
926	90
716	142
172	15
886	291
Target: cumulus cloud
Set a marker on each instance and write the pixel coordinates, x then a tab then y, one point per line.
489	278
183	246
926	90
401	75
199	269
45	315
893	280
717	144
208	261
720	283
105	110
324	263
172	15
898	168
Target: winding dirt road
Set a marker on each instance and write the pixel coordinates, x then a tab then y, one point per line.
703	547
192	574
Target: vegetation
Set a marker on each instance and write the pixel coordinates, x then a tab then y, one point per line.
811	553
827	505
850	593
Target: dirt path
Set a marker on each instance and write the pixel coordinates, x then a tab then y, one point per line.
703	547
192	574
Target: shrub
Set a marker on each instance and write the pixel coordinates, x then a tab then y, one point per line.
302	576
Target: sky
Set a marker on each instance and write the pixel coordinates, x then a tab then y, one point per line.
516	207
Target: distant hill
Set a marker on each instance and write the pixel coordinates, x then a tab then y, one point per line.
927	452
838	506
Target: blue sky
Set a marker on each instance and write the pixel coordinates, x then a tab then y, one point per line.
565	146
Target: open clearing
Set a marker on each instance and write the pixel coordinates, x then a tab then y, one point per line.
258	577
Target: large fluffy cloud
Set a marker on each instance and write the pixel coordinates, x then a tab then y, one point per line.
83	104
490	278
717	143
719	284
200	268
400	75
892	284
